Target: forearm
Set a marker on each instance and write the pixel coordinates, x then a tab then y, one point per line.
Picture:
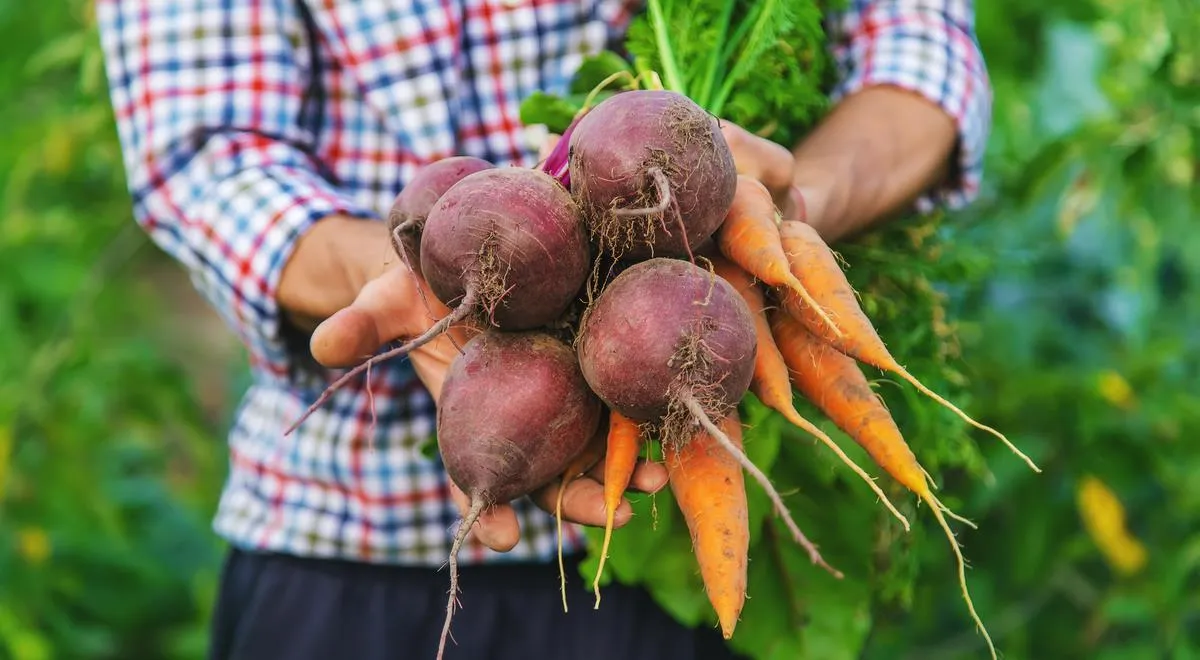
875	153
329	266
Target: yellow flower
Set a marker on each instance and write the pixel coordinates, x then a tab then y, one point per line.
1104	519
34	544
1115	389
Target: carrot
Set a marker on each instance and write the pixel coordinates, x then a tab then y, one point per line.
835	384
750	238
708	486
813	263
575	469
770	382
620	458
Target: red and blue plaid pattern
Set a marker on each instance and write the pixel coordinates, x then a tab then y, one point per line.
245	122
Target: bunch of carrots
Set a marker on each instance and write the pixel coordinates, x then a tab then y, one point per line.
812	336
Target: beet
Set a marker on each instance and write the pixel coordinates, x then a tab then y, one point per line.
412	205
665	330
510	242
652	172
514	412
673	345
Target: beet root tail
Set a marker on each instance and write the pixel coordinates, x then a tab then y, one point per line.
460	313
477	506
781	509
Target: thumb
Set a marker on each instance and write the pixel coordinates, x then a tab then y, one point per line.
387	308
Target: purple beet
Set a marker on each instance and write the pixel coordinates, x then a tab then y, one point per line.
505	247
508	243
514	412
653	174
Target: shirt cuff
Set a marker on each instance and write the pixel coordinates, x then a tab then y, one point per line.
935	55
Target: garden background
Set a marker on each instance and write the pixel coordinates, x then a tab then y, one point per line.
1080	339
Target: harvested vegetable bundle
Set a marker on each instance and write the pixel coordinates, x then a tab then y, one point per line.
741	60
708	297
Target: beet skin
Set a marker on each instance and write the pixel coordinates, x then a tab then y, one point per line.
414	202
513	412
653	174
509	242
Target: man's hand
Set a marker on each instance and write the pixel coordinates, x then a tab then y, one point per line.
396	305
869	159
762	159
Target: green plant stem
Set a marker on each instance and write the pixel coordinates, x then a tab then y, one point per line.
742	64
670	70
739	34
715	60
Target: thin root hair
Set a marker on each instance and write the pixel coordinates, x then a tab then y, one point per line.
464	309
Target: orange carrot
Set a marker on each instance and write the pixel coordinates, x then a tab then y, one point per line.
750	238
575	469
708	486
620	458
835	384
813	263
770	382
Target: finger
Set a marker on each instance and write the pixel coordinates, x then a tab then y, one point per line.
496	527
758	157
387	308
648	477
795	207
583	503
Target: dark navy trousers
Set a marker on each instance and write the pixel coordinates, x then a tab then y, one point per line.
278	607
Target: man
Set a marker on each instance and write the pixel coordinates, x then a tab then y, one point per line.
265	139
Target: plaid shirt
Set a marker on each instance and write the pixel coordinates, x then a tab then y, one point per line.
243	123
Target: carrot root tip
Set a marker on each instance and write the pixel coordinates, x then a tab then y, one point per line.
562	571
796	419
964	416
937	508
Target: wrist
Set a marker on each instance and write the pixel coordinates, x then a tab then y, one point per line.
330	264
823	190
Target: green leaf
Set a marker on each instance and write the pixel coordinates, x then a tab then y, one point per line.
598	68
555	112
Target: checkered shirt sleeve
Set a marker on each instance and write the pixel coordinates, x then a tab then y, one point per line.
211	113
928	47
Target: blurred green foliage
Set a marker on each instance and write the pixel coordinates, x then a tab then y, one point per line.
108	466
1062	309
